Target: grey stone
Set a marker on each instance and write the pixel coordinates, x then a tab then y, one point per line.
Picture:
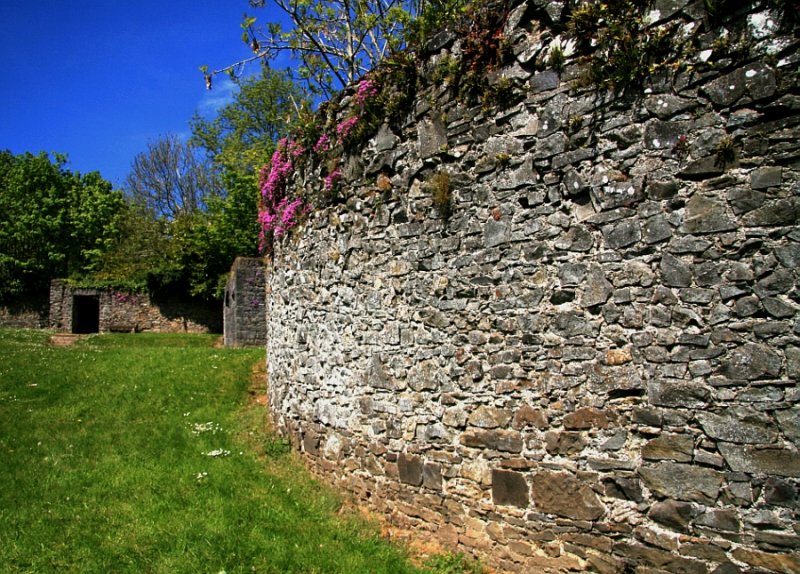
793	362
596	288
577	238
510	488
673	514
664	135
660	190
789	256
789	421
669	447
766	177
572	274
720	519
780	492
551	145
656	229
755	460
664	106
562	494
570	324
502	440
410	468
432	137
778	308
706	215
683	481
544	81
432	476
674	272
739	425
744	200
377	376
774	213
385	140
703	168
677	393
496	233
781	281
622	234
751	362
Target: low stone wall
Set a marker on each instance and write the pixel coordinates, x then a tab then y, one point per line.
26	312
592	364
121	311
244	312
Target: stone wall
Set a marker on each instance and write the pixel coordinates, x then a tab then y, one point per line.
29	311
592	363
243	315
121	311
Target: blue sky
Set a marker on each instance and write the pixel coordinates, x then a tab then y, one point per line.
98	79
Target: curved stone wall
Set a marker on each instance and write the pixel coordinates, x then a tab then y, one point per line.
592	363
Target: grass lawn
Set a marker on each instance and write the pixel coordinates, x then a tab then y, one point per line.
142	454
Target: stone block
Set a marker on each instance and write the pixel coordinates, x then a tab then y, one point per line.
706	215
562	494
586	418
489	417
669	447
675	272
563	443
527	416
772	561
674	514
510	488
432	476
678	393
683	481
766	177
755	460
789	421
751	362
410	469
661	560
502	440
740	425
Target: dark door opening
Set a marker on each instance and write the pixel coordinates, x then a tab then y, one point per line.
86	314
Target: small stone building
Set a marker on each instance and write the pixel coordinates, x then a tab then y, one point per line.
244	316
92	310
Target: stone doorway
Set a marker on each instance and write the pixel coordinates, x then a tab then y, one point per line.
86	314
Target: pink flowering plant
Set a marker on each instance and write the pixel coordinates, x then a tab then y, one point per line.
279	211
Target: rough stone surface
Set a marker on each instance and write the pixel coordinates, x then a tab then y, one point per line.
592	363
243	316
122	311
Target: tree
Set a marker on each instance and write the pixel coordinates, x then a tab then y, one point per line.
171	179
53	222
334	41
242	137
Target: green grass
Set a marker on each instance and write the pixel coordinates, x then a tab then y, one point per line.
105	467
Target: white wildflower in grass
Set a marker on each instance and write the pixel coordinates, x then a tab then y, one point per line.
200	476
219	452
210	426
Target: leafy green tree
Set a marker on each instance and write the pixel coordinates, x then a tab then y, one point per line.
241	138
53	222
